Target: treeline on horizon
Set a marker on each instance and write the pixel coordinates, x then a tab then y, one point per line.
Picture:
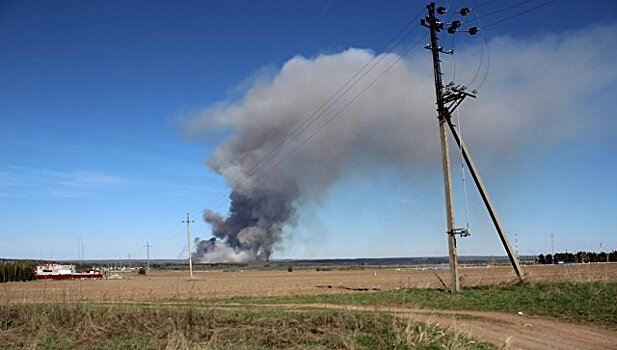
12	272
580	257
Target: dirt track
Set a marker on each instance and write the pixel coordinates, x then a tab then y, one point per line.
513	331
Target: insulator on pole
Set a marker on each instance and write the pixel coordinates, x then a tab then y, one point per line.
441	10
464	11
473	30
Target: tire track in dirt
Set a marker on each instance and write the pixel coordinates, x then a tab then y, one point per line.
512	331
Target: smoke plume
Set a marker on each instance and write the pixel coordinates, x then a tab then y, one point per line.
392	123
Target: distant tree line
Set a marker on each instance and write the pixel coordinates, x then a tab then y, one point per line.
580	257
10	272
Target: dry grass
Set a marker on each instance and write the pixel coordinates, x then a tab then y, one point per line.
82	326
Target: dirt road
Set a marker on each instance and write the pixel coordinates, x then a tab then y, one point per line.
512	331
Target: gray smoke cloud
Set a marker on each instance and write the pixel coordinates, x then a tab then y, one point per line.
392	124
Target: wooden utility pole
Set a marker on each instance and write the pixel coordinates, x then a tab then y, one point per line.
448	99
188	222
445	150
148	246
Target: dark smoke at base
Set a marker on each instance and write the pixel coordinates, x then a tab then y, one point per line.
254	225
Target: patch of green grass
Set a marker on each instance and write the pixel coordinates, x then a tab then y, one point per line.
582	302
83	326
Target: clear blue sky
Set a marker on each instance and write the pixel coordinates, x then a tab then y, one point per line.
90	94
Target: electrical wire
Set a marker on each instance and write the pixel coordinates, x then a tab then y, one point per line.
328	121
352	82
488	56
483	4
320	111
340	92
463	172
333	117
485	50
486	15
520	13
345	88
454	55
473	79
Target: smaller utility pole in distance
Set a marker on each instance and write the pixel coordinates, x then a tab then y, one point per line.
148	257
188	222
552	246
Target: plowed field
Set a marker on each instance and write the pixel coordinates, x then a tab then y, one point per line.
209	284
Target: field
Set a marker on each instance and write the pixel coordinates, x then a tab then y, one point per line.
217	283
562	306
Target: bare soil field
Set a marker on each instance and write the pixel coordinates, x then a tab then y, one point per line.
212	284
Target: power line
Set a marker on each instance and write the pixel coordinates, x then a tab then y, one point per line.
345	88
488	60
323	108
338	94
333	117
328	121
396	40
506	8
485	47
484	4
520	13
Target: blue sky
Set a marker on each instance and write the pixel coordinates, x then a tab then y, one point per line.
92	94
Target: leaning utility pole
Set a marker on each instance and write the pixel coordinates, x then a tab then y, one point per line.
445	151
448	99
188	222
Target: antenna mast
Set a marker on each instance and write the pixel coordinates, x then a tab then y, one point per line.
448	99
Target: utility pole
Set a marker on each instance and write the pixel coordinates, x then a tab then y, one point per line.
148	246
448	99
188	222
445	151
552	247
129	262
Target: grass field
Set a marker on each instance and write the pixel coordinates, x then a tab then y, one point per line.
582	302
278	309
82	326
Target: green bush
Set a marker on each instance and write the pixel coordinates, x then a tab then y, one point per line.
141	271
